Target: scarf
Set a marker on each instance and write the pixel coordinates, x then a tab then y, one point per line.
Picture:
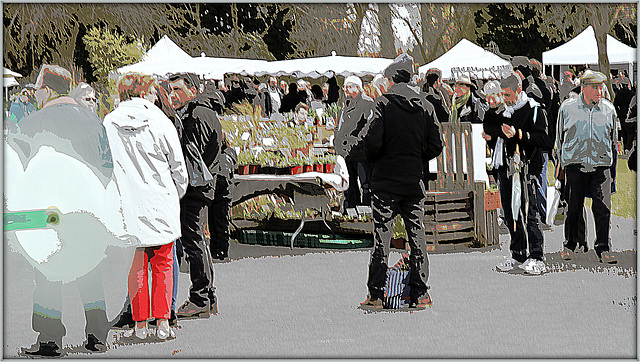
457	104
522	100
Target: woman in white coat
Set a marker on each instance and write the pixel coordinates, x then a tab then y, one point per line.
150	171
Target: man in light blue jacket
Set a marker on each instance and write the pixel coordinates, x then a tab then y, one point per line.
586	144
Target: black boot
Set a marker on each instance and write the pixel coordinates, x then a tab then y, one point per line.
93	344
45	349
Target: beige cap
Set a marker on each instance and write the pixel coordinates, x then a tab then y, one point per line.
592	77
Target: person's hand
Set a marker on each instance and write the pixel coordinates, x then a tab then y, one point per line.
508	131
486	136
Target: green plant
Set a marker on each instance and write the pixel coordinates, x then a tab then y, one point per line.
109	51
245	158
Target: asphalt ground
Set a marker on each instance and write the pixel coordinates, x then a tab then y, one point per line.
280	303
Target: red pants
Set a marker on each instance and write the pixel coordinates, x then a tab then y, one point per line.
161	260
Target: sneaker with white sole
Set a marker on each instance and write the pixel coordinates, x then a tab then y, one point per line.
508	265
164	331
526	263
567	254
536	267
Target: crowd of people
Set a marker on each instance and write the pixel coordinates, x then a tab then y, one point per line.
174	168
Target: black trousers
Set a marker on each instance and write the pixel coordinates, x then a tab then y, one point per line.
354	196
193	215
385	208
219	214
527	230
577	184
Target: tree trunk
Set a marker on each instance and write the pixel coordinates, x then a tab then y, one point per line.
387	39
601	29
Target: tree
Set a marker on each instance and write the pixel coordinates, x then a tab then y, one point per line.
39	33
518	28
319	29
109	51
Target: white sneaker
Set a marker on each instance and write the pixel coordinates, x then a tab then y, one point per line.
508	265
536	267
526	263
141	332
164	331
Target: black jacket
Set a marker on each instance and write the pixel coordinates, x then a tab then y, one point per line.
404	135
202	134
492	125
435	98
534	136
622	102
355	115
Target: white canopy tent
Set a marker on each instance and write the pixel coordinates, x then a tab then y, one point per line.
583	49
469	58
10	78
321	67
165	57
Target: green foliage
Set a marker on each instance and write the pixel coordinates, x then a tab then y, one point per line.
109	51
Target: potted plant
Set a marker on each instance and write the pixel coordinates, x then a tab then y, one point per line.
330	161
318	165
244	159
296	165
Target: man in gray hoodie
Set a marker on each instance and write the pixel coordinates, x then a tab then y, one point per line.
404	135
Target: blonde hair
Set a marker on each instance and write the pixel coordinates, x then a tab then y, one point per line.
132	85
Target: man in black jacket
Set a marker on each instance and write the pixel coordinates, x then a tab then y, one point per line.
201	139
356	112
404	135
434	95
621	103
220	208
525	134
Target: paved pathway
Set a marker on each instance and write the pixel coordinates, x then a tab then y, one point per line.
273	304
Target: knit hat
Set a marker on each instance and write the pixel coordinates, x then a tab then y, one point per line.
401	70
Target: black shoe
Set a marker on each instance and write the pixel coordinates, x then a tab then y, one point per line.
422	302
124	322
93	344
219	254
190	310
45	349
607	257
372	303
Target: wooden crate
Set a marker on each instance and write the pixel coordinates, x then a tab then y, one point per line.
455	210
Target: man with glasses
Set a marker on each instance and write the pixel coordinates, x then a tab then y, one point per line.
586	144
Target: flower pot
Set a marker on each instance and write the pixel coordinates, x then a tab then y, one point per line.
254	169
328	168
243	170
296	170
318	168
308	168
268	170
